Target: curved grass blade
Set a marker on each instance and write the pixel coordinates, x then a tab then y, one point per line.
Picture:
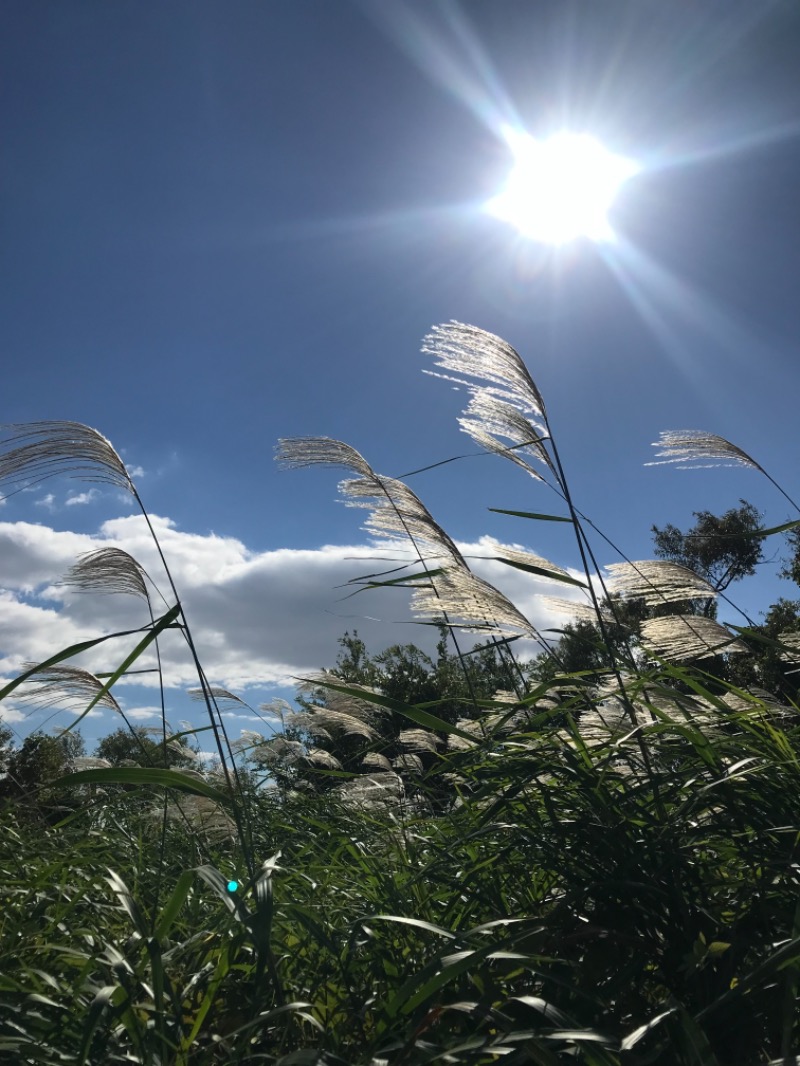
540	571
144	775
69	653
163	623
535	515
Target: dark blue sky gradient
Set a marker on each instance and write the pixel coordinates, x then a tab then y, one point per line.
227	222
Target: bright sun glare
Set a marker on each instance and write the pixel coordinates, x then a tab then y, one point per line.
561	188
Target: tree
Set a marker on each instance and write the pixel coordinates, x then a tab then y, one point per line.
767	666
6	737
721	548
583	646
32	769
791	567
137	746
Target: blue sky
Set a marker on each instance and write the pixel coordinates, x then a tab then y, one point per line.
225	223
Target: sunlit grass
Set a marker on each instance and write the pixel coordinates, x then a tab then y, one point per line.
613	880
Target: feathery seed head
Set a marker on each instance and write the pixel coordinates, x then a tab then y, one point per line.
419	740
222	695
326	723
485	357
397	512
582	610
376	790
693	448
321	758
488	418
34	451
658	582
470	602
683	637
107	570
296	452
70	686
373	760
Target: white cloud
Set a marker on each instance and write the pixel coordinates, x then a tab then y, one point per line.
48	502
79	498
258	618
136	471
9	714
143	712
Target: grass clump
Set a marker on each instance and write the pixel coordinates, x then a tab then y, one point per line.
596	865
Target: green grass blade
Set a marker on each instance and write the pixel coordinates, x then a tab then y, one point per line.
144	776
531	514
541	571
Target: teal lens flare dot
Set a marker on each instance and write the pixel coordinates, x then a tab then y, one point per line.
232	886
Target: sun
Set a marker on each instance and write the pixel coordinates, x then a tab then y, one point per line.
561	188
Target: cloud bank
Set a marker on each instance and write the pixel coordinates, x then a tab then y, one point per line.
259	619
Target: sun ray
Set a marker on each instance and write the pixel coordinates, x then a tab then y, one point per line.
668	305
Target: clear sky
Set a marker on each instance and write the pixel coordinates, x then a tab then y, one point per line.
229	221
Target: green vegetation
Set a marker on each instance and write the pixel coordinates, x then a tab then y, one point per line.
591	857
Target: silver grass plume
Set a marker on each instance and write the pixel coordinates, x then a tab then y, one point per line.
396	510
658	582
342	715
504	407
333	724
278	751
69	685
488	418
276	708
298	452
34	451
377	790
220	695
791	646
681	637
202	814
411	764
357	706
693	448
183	750
466	725
419	740
323	759
485	357
582	610
107	570
759	702
373	760
470	602
90	762
606	722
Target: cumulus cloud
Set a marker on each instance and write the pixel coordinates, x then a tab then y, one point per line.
259	619
10	714
142	713
78	498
